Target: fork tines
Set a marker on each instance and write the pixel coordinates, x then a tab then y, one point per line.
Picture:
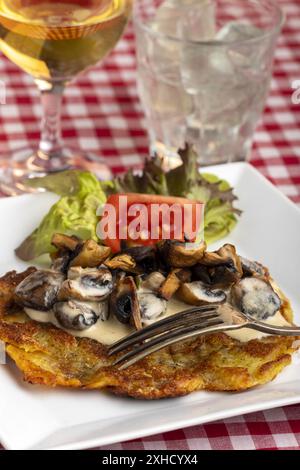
204	313
186	324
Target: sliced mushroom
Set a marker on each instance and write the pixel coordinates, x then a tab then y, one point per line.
122	262
253	268
64	242
135	260
153	281
144	257
203	273
90	254
61	261
86	284
181	255
77	315
255	297
151	307
173	281
197	293
124	302
39	290
225	255
221	268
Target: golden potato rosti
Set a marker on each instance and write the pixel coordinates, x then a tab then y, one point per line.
49	356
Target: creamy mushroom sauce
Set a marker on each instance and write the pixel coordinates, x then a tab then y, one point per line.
111	330
85	290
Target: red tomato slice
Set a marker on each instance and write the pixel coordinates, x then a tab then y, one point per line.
146	201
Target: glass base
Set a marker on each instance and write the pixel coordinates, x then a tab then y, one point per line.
26	163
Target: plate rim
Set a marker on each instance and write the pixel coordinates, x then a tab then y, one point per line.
165	427
136	434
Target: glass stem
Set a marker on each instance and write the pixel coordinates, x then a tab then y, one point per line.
50	146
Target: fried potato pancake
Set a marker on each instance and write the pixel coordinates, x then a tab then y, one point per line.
49	356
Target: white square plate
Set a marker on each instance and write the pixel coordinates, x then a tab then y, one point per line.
33	417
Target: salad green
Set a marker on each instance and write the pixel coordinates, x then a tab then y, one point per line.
73	214
81	194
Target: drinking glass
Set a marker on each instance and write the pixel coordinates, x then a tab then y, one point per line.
204	70
54	41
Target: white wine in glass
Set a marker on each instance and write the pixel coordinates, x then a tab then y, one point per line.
55	41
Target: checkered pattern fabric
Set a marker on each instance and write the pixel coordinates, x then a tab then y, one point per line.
269	430
102	111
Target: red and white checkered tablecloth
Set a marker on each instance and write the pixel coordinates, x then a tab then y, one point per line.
102	111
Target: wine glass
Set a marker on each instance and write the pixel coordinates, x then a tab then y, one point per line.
54	41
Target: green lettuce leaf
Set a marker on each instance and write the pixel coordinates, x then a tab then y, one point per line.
220	216
74	214
151	180
186	181
81	194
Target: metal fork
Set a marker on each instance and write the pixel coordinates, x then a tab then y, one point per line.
187	324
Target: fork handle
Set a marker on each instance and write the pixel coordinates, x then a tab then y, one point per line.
274	329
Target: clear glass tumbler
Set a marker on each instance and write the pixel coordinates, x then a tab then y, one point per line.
204	70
